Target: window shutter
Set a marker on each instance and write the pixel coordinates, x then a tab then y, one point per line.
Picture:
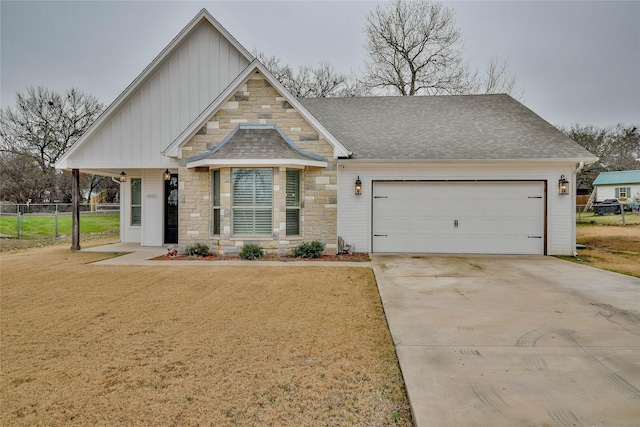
617	193
293	222
628	194
293	202
216	187
293	188
263	192
215	227
252	201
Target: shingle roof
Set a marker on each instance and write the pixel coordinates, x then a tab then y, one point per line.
257	142
621	177
456	127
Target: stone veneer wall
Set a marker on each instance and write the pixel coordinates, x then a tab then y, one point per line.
257	102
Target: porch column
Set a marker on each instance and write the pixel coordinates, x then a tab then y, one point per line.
75	210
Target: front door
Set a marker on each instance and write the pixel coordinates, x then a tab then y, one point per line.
171	210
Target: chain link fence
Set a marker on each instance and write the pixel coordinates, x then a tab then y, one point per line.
44	220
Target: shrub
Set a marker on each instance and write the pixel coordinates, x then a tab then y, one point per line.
251	251
199	249
308	250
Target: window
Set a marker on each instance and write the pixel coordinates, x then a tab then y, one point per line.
293	202
136	201
622	193
252	202
216	203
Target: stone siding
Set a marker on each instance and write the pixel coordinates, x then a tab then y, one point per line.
257	102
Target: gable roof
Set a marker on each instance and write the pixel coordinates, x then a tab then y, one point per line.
173	150
151	101
620	177
443	128
263	144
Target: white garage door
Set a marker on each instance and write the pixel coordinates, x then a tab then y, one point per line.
459	217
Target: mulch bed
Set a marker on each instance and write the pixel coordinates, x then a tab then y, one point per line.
357	257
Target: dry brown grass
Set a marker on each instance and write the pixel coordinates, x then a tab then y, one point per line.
614	248
203	345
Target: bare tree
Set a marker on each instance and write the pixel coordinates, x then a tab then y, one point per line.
21	179
35	132
497	79
99	183
310	81
415	48
617	148
45	124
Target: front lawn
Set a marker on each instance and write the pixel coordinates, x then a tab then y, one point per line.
610	247
193	345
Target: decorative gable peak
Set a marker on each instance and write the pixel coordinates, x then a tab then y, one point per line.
186	77
234	94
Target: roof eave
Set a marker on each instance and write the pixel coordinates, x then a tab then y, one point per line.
255	163
134	164
614	183
527	160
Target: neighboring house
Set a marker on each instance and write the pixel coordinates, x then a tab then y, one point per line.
215	150
621	185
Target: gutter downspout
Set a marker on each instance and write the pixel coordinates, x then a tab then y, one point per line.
573	215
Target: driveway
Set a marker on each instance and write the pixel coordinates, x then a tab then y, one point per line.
513	340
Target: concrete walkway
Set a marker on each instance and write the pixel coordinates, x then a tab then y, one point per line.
513	341
142	255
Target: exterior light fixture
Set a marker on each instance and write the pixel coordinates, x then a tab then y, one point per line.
123	177
358	186
166	175
563	186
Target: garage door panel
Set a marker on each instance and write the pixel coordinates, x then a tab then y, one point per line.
487	227
459	217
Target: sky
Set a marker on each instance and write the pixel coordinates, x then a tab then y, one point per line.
578	61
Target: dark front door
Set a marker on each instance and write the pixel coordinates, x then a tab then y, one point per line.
171	210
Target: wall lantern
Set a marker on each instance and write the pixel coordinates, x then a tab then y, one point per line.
358	186
563	186
123	177
166	175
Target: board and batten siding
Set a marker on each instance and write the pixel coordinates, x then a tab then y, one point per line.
355	212
185	83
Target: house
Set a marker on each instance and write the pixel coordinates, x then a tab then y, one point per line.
211	148
621	185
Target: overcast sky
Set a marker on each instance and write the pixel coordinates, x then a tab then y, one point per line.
579	61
